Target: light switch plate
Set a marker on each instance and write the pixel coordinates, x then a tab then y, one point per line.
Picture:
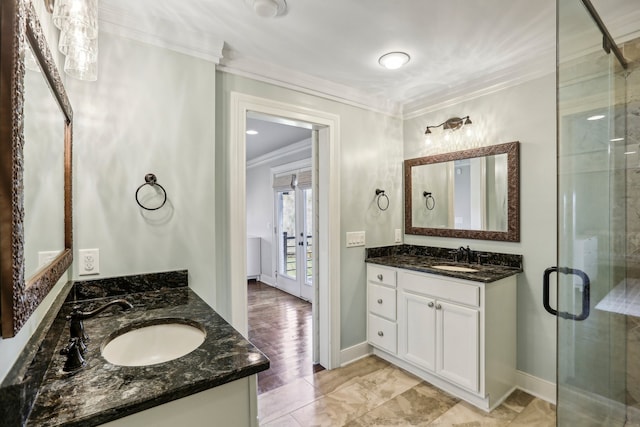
355	238
89	262
398	235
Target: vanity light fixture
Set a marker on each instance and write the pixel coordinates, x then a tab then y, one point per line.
77	21
268	8
454	123
394	60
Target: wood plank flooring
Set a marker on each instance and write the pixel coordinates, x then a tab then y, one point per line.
280	326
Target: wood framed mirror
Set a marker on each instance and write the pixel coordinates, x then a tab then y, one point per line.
471	194
36	133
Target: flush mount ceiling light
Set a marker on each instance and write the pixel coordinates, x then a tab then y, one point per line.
267	8
454	123
252	132
394	60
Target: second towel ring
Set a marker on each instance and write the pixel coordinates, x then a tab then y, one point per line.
150	179
430	202
380	194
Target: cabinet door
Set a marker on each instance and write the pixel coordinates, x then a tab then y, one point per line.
417	325
458	357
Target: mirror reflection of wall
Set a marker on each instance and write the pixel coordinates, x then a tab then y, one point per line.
470	194
43	171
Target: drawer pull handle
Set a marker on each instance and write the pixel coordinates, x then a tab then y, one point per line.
379	300
438	306
430	304
380	333
380	277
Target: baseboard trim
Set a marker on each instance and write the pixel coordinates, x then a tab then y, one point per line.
535	386
268	280
354	353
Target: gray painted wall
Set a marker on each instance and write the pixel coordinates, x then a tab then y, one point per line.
524	113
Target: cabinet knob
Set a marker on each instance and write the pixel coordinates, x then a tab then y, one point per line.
380	333
380	277
379	300
430	304
438	306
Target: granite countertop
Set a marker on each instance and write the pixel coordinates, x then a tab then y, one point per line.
102	392
422	259
486	273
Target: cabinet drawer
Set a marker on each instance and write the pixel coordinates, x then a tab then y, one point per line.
382	301
381	275
382	333
441	288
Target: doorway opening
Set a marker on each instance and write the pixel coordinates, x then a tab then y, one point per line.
281	207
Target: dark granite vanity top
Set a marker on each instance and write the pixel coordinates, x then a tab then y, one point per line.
423	258
102	392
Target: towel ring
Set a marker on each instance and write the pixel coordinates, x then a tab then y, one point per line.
150	179
380	194
430	202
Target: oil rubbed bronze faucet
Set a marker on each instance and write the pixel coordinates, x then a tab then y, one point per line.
77	346
466	251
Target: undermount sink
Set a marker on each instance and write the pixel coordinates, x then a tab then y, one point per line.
455	268
152	343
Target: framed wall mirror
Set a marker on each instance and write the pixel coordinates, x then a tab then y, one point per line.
471	194
35	167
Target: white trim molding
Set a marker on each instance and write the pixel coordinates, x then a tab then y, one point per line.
160	33
355	353
329	215
535	386
295	148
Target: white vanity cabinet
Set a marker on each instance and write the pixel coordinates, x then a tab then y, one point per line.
381	307
457	334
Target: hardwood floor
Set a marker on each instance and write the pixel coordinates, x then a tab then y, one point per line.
280	326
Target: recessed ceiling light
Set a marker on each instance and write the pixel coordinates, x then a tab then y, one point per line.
596	117
394	60
268	8
252	132
616	139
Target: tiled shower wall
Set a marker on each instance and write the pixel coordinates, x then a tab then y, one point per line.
632	53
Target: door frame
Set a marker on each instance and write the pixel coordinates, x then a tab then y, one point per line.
328	149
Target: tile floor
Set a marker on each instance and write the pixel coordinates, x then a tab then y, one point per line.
369	392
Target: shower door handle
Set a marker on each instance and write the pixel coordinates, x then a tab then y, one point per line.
586	285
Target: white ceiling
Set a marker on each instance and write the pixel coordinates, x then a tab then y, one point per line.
272	136
332	46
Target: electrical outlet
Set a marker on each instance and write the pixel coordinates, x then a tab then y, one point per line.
89	262
46	257
398	235
355	238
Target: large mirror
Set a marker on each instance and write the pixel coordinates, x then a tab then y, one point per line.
473	194
35	168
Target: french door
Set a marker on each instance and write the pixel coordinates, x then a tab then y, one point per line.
294	215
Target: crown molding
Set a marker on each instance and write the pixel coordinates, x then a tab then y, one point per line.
160	33
296	147
302	82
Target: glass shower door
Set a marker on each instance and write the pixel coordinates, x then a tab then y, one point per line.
591	365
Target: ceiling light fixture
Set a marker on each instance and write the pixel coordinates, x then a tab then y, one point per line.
394	60
268	8
252	132
454	123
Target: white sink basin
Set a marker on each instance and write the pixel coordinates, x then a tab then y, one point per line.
152	344
455	268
